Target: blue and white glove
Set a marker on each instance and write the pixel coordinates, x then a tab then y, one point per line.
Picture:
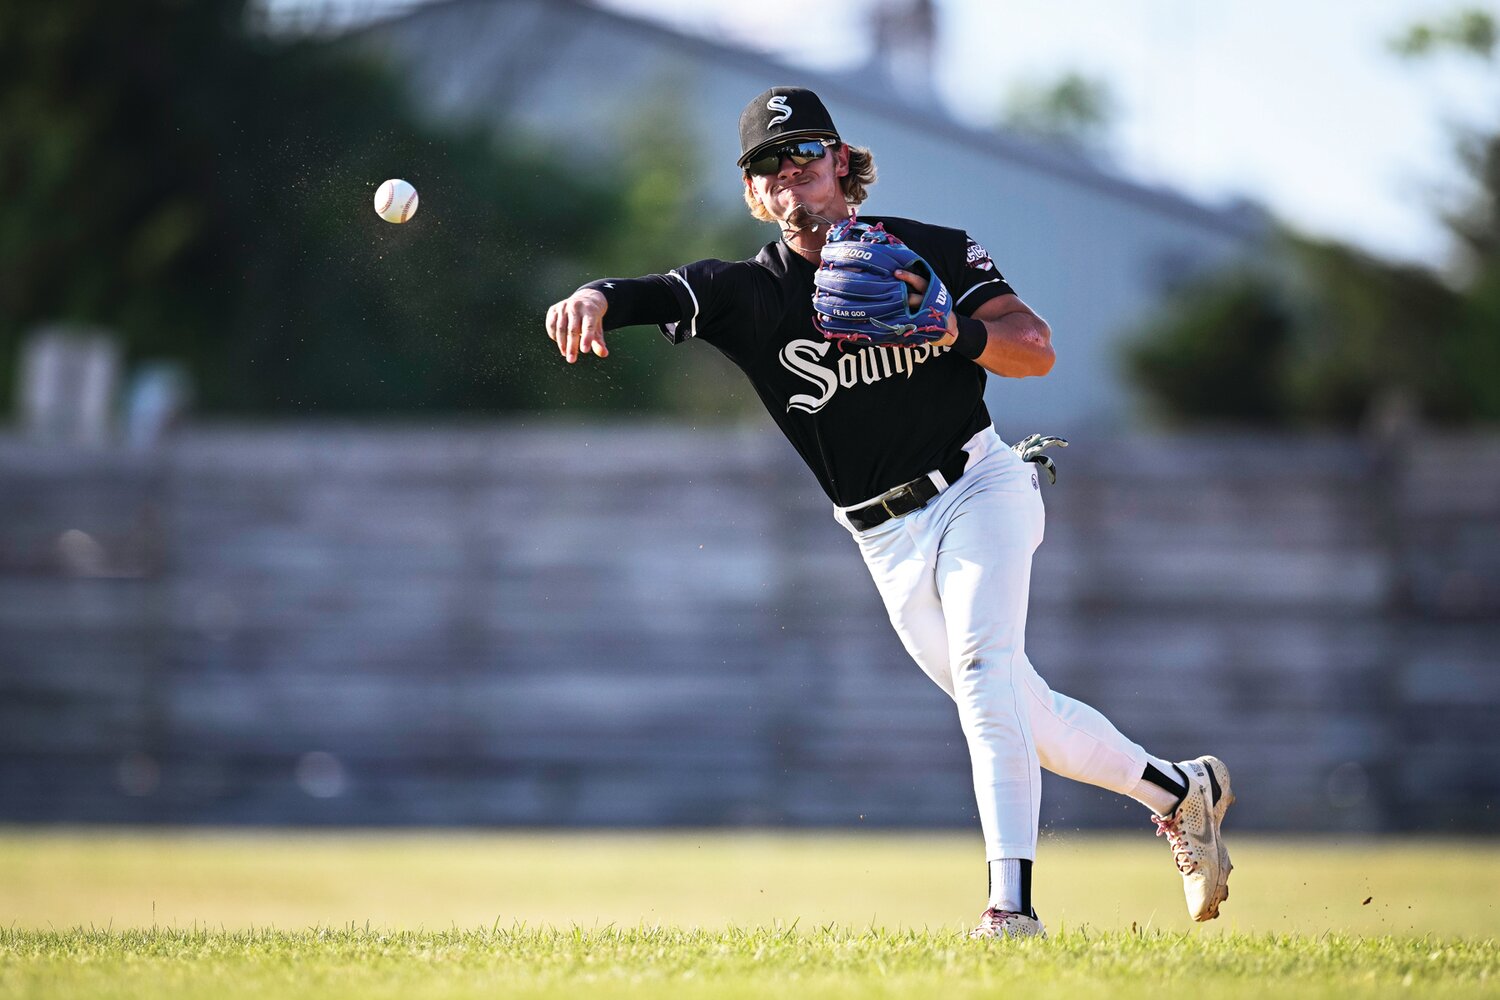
858	298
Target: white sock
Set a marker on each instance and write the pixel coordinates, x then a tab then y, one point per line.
1005	886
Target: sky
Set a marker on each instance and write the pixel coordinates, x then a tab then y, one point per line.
1297	104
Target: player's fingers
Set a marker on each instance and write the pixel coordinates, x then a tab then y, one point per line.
593	336
559	332
573	331
918	285
914	280
560	329
552	312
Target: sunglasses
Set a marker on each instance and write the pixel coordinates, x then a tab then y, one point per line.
800	153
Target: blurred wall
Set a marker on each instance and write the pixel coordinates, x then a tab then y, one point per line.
535	623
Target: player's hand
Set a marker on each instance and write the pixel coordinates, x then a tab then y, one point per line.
576	324
919	289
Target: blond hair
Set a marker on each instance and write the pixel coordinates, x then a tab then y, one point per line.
855	183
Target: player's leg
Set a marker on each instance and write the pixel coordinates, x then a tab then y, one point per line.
901	557
927	607
986	534
988	575
984	569
902	568
1076	741
1187	800
983	575
1066	736
954	578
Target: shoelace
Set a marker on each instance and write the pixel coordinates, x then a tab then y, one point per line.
1182	851
996	918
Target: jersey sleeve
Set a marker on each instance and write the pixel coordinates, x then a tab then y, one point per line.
978	280
647	300
720	302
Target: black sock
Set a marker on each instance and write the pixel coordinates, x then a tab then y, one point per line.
1162	781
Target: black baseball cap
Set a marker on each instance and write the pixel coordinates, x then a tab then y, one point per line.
782	115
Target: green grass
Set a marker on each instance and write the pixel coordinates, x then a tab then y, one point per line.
653	962
278	915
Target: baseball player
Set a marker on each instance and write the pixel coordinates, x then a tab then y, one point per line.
869	341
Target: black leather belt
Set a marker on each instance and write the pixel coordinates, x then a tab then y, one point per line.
907	497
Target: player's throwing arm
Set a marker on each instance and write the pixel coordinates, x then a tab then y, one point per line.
576	325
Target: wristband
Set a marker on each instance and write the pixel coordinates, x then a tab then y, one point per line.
973	337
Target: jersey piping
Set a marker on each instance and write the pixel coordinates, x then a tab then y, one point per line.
693	319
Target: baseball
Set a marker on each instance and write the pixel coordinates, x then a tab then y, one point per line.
396	201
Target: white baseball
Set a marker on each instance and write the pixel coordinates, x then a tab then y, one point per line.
396	201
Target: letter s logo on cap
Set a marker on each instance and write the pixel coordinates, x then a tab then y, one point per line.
778	104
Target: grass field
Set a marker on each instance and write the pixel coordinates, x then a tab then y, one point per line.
144	914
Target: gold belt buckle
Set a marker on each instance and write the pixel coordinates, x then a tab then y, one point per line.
885	501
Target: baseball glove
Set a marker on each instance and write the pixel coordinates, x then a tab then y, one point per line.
858	298
1030	449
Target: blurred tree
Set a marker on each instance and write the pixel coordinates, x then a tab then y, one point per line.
1474	347
1323	334
1470	30
1218	351
206	192
660	223
1074	110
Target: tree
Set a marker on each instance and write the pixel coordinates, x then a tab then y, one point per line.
205	191
1325	334
1468	30
1073	110
1218	352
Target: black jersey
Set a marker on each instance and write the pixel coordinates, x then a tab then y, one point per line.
864	419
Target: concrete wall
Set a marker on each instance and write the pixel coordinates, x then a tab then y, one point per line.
540	624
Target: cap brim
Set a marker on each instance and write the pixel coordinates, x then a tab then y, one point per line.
783	139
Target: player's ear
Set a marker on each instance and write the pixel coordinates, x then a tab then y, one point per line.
841	161
751	193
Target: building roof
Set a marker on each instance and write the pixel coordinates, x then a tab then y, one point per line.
1242	220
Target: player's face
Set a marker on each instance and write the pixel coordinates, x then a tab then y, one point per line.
813	186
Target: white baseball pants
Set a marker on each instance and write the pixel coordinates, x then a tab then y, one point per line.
955	577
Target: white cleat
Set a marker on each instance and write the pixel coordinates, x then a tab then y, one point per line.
1193	832
1005	924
